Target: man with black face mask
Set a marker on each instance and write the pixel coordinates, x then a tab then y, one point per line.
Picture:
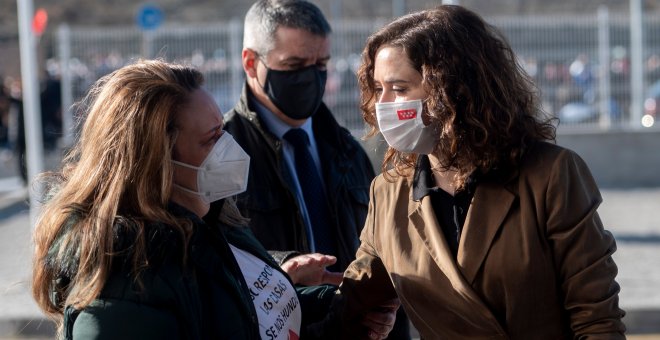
310	199
309	178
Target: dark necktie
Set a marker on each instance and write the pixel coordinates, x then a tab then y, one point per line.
312	189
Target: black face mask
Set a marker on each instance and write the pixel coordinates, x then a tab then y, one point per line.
296	93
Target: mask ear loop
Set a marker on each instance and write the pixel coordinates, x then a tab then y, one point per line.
259	59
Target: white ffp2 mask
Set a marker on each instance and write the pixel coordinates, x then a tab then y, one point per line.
223	173
402	126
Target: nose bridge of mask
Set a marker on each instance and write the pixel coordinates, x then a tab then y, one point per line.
224	171
225	149
299	77
218	148
225	152
230	163
297	93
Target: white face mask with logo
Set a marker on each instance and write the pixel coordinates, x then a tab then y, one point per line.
223	173
402	126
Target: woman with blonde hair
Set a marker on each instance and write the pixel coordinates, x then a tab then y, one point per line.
122	251
480	225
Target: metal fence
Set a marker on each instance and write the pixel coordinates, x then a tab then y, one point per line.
581	65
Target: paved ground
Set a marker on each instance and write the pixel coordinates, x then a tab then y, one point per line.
632	215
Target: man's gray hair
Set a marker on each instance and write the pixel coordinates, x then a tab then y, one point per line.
265	16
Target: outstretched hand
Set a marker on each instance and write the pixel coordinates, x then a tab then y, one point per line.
310	270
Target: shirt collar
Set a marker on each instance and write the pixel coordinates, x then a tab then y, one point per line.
276	126
424	183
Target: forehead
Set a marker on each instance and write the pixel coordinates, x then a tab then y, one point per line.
200	113
392	63
297	42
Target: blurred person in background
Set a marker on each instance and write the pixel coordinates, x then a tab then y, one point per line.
308	183
51	109
16	126
12	115
121	250
479	223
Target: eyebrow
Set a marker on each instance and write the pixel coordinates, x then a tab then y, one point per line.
214	129
392	81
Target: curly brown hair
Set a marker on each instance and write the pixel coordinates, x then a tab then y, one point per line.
484	105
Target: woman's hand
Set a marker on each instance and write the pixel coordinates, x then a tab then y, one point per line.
310	270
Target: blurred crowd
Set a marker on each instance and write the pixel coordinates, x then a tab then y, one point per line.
569	90
12	119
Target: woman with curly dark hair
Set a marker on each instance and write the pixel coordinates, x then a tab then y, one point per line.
480	224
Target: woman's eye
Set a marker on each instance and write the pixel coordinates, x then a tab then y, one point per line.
214	139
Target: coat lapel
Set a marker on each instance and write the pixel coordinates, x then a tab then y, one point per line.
487	211
422	217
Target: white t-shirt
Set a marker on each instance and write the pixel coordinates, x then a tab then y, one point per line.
274	298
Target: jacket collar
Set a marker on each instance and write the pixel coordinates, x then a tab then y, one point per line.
421	216
461	275
424	183
324	124
491	203
485	217
331	138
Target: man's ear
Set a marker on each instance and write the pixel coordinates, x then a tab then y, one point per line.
249	60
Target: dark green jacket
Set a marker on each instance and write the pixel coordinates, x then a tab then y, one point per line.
205	299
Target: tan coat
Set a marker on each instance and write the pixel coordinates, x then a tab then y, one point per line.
534	261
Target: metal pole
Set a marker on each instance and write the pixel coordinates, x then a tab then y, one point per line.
636	63
604	69
64	50
31	104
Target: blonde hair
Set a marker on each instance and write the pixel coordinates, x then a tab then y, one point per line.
118	174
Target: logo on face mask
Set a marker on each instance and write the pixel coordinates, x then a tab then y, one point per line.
223	173
298	93
403	128
406	114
